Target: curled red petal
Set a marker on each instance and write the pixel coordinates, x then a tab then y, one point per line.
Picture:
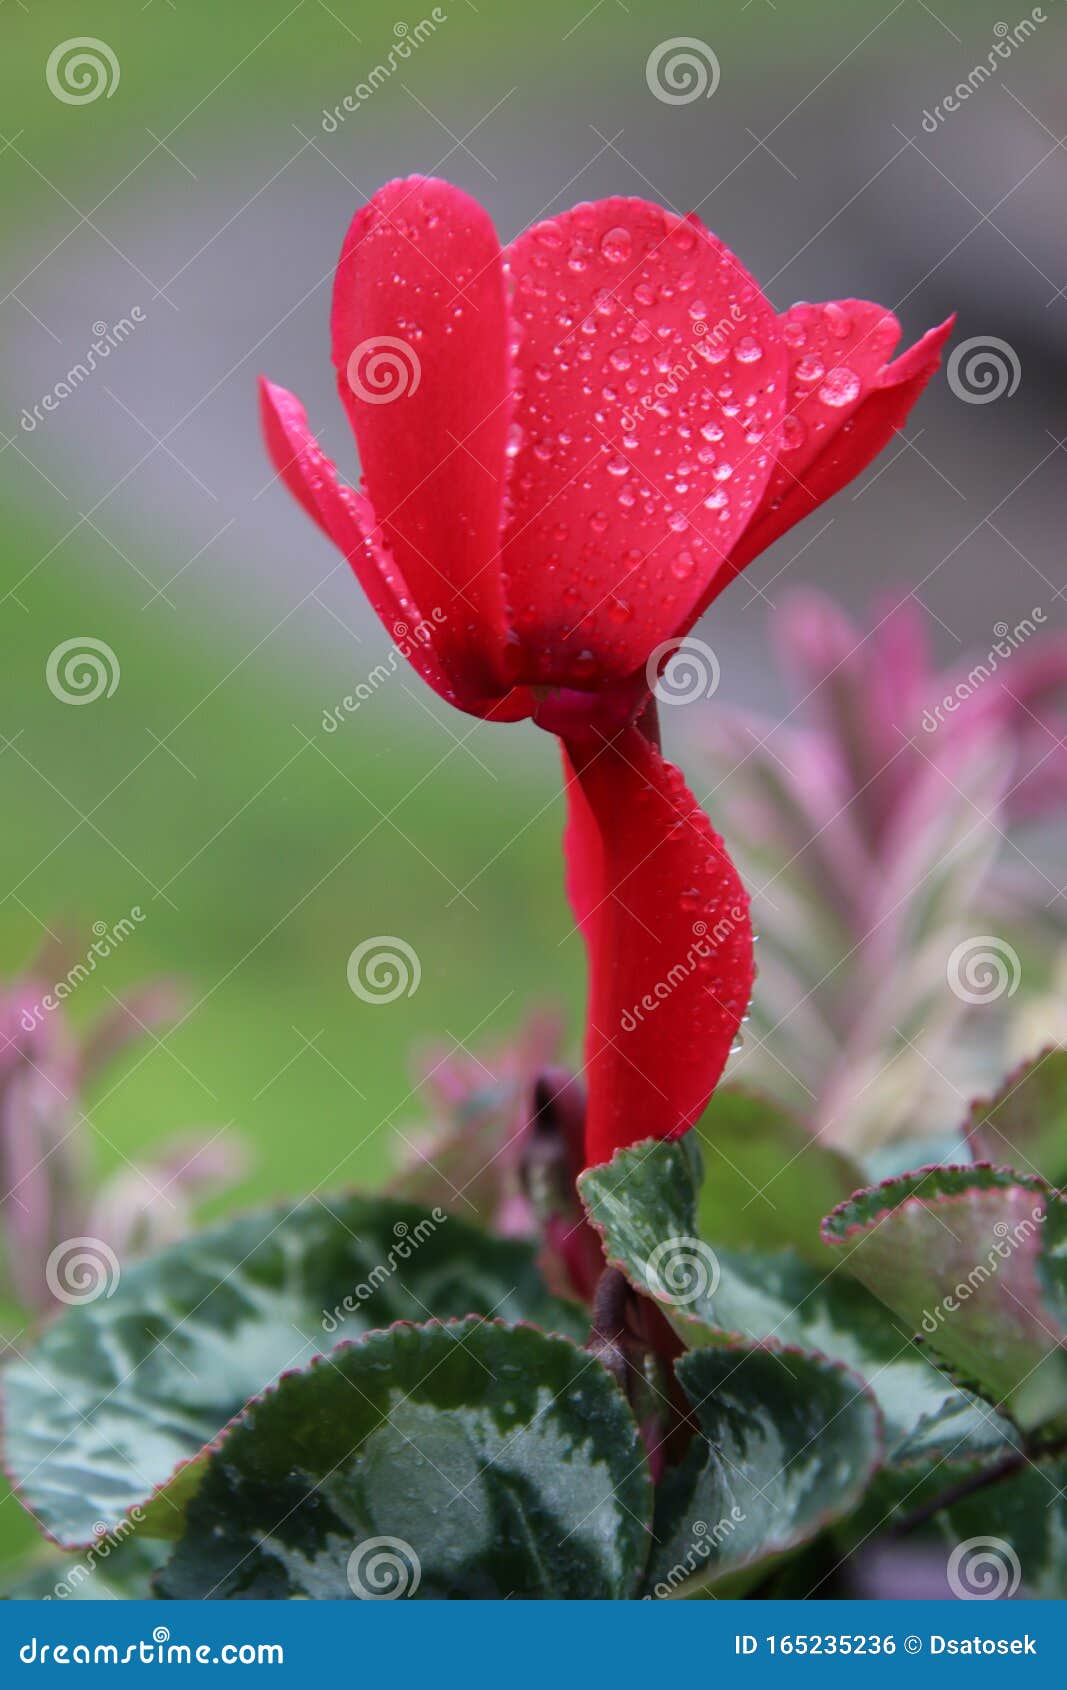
669	940
347	518
845	401
420	343
650	381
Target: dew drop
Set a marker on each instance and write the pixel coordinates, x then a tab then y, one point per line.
838	320
810	368
841	386
617	245
794	433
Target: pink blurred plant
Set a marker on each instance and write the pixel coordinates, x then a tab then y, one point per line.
891	840
505	1147
49	1195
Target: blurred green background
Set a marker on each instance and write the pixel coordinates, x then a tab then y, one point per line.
260	848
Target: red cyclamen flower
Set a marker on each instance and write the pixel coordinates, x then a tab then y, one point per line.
569	448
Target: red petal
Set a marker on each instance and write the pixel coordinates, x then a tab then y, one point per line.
620	508
667	929
420	343
838	377
347	518
514	707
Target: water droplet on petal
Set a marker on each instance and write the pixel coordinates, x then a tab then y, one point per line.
838	320
617	245
841	386
810	368
549	235
794	433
